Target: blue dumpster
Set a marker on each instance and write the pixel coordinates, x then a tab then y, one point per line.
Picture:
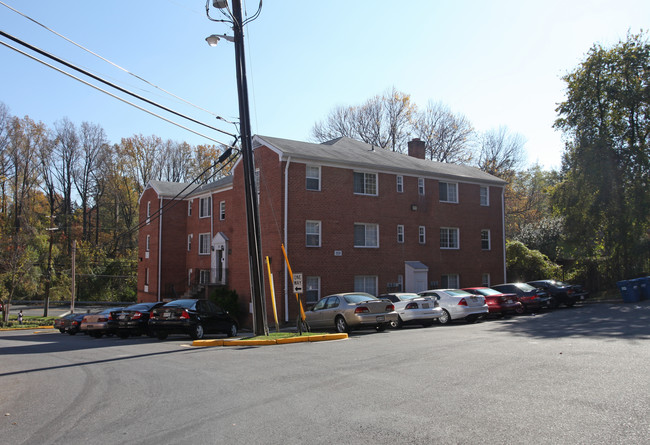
629	291
645	288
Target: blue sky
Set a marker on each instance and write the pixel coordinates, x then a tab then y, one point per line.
498	62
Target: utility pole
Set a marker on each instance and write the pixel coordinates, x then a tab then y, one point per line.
72	290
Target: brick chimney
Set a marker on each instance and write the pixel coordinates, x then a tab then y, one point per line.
416	148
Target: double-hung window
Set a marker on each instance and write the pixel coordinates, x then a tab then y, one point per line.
450	281
448	192
449	238
485	196
421	186
422	235
312	233
366	235
204	244
366	283
312	287
312	177
485	239
400	184
365	183
400	233
205	207
222	210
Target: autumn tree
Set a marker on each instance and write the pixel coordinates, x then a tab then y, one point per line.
605	188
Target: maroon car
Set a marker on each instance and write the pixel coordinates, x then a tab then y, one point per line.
498	303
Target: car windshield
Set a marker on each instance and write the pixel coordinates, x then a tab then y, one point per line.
488	291
408	296
458	293
358	298
140	307
181	303
108	311
525	287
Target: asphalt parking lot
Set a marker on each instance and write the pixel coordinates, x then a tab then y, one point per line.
568	376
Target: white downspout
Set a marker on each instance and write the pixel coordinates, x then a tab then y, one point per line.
286	235
503	230
160	218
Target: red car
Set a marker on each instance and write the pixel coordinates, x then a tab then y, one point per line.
498	302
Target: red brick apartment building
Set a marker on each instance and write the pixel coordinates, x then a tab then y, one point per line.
352	217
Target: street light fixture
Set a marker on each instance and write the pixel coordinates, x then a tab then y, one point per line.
255	263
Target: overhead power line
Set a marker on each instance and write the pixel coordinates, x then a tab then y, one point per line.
112	63
99	79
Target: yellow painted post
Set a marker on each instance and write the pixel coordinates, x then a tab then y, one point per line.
275	310
286	259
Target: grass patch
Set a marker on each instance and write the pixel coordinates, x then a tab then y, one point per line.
279	335
28	322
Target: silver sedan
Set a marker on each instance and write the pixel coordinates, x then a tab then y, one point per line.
413	309
458	304
354	310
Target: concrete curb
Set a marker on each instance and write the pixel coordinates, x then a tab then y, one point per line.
262	342
24	329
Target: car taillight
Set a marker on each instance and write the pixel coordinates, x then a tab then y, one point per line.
390	308
151	314
462	302
75	322
110	316
361	310
136	316
411	306
185	315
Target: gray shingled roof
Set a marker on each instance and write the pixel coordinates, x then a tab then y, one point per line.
186	190
349	153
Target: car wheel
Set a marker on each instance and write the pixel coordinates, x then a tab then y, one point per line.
161	335
197	332
521	309
380	327
341	325
445	318
232	331
397	324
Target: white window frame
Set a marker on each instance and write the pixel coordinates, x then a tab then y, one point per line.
189	207
485	280
222	210
453	281
488	239
204	276
400	233
309	175
189	242
366	226
204	243
367	184
400	183
312	284
147	243
310	233
421	190
205	207
148	212
448	185
484	196
422	235
366	283
447	238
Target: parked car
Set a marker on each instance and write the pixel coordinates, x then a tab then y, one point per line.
132	320
353	310
532	298
498	302
191	317
96	324
560	292
60	323
71	324
411	308
458	304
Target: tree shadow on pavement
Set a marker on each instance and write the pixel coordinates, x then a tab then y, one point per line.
602	320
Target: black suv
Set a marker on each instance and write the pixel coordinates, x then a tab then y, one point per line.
560	292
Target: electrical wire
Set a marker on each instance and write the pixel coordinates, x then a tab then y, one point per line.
112	95
92	76
112	63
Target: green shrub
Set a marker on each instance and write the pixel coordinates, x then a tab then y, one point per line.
228	300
